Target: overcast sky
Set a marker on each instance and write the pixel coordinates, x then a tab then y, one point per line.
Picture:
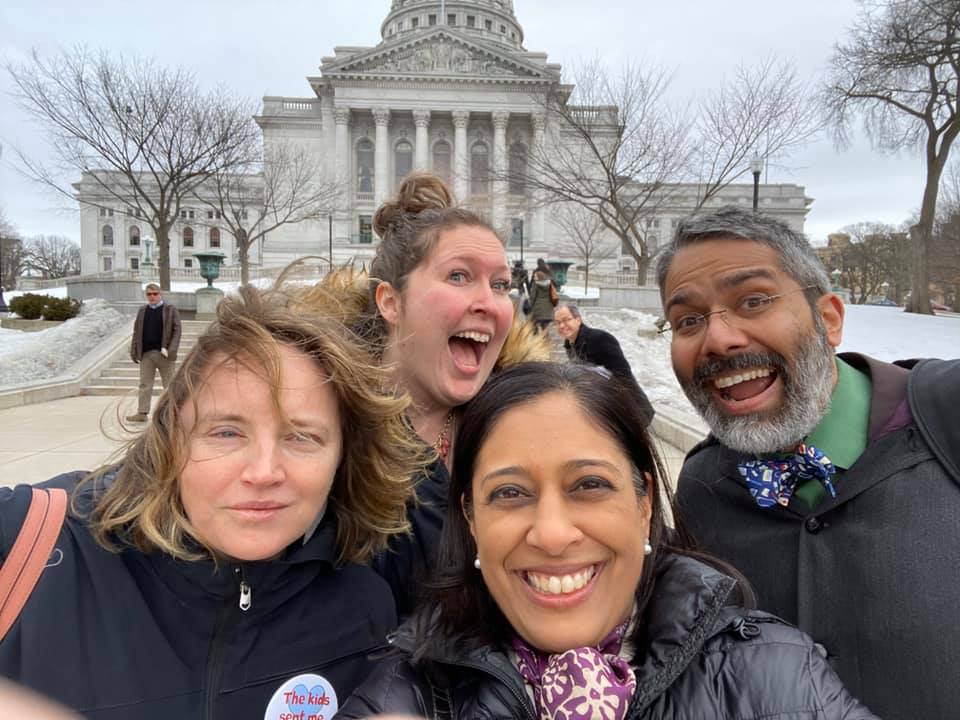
268	48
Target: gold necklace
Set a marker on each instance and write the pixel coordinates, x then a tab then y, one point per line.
442	443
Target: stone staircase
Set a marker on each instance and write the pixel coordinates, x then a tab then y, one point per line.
122	375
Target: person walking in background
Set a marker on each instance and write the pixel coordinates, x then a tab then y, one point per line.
831	481
593	346
156	339
541	300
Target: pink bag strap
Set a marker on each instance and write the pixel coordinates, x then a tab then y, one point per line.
30	553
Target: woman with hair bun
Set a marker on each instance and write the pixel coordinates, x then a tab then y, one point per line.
438	313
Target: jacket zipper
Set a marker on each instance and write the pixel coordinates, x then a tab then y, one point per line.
505	681
214	659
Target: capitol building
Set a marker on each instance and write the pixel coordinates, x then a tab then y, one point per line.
450	88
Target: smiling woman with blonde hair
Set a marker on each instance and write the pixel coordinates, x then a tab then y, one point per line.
219	569
561	594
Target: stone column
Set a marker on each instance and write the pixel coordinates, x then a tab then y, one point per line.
341	228
499	185
421	157
461	160
381	163
539	122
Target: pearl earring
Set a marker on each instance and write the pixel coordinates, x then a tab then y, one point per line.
476	562
647	548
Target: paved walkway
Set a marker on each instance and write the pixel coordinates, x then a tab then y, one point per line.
41	440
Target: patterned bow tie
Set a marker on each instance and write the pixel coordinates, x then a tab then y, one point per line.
772	482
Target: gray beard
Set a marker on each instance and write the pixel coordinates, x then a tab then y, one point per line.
808	386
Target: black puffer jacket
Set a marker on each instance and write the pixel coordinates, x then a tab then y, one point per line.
145	636
700	659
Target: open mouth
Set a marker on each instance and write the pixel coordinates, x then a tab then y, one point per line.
559	584
467	348
745	384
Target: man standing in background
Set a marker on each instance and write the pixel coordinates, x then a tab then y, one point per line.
156	339
593	346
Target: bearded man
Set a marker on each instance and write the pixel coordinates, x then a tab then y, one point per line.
831	481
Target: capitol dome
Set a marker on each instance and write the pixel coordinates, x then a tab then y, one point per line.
491	21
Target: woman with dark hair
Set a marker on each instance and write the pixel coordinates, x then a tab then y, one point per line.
219	568
561	593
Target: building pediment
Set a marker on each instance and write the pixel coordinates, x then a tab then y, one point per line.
439	55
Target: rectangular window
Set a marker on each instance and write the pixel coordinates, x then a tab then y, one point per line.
366	229
503	29
103	212
471	21
188	262
110	212
107	264
488	24
415	23
431	20
209	214
134	263
451	19
243	214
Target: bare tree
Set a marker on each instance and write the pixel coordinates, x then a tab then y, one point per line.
587	239
621	151
144	136
283	186
899	72
945	243
12	255
763	112
53	256
614	146
873	256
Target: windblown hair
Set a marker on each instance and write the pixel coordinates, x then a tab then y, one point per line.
141	507
797	258
457	596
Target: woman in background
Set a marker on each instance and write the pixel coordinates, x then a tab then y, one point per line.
438	313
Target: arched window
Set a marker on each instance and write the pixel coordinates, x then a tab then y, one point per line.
134	235
365	157
107	234
402	161
479	169
518	168
188	237
441	160
214	237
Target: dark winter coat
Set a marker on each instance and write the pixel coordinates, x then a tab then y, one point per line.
594	346
873	575
171	332
134	635
541	307
697	658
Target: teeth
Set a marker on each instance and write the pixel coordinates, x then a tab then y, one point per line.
731	380
475	336
559	584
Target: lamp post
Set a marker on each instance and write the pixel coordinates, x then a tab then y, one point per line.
330	237
756	167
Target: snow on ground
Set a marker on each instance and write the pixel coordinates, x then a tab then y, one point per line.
29	356
886	333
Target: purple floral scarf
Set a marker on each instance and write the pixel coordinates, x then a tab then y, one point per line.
582	683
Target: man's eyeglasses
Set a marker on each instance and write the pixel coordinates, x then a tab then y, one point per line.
152	293
748	307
